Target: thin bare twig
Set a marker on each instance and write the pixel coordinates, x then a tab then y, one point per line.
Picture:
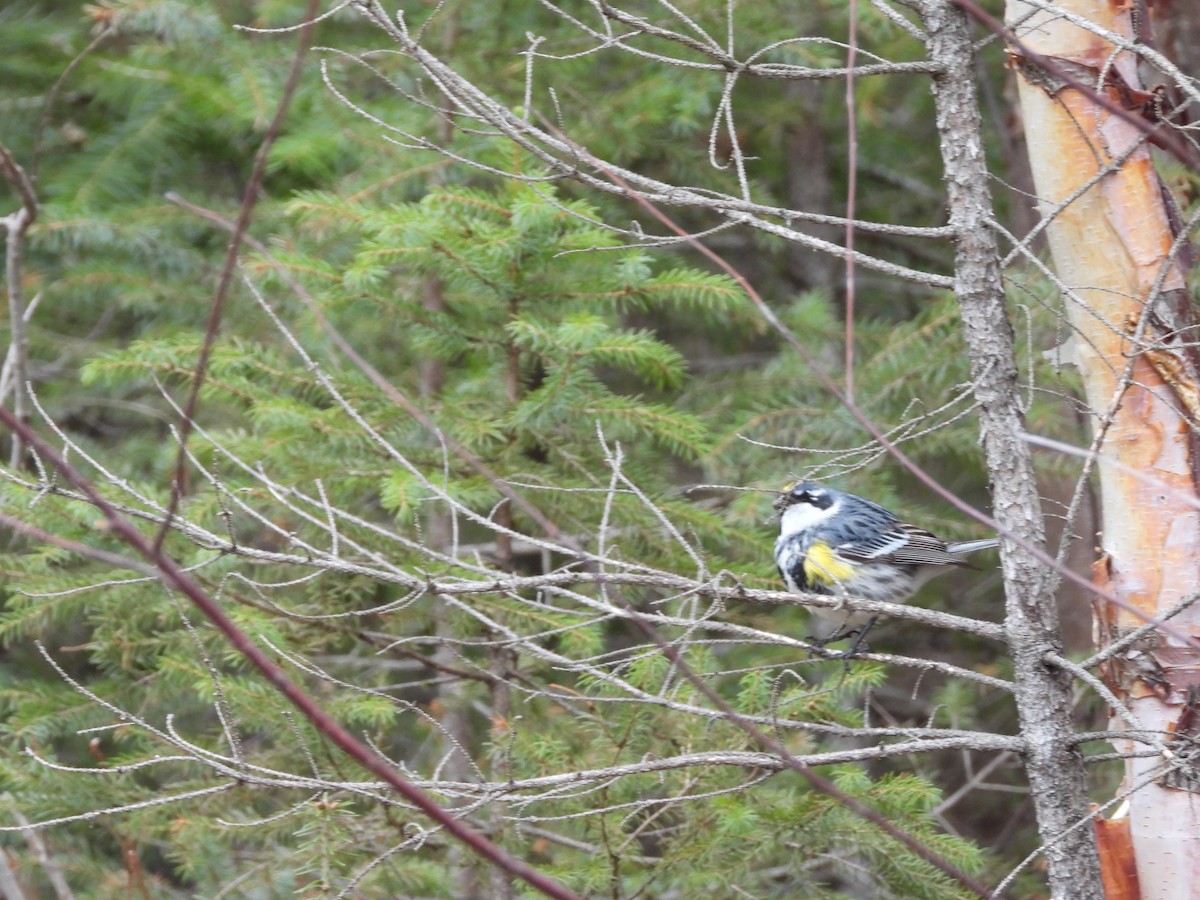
1160	135
217	309
851	193
172	575
17	225
390	390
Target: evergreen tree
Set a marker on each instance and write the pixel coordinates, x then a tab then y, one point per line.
422	550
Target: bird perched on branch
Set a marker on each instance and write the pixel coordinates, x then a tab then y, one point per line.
839	544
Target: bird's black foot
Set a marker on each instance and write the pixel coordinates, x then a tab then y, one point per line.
857	645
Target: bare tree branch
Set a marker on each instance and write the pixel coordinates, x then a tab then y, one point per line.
217	309
17	224
1053	763
173	576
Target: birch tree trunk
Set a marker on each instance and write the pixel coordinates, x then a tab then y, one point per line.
1111	242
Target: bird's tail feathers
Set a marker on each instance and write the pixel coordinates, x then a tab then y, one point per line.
962	548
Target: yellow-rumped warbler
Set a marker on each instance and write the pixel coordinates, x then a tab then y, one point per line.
835	543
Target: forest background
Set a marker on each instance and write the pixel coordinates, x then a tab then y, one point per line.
574	391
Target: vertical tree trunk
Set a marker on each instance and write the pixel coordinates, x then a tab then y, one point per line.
1043	693
1111	249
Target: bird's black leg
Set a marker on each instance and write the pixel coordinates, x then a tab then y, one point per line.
859	643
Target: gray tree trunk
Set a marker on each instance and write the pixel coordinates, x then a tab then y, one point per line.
1043	693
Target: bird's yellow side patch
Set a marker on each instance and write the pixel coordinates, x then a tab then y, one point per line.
822	565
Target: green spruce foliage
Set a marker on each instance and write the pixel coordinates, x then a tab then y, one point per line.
532	367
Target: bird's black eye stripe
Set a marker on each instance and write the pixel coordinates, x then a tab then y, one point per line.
817	497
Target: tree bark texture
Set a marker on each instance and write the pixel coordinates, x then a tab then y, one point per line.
1043	693
1129	314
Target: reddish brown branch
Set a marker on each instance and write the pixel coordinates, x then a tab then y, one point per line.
851	193
859	416
217	310
173	576
1157	135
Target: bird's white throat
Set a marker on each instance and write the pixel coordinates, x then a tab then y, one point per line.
802	516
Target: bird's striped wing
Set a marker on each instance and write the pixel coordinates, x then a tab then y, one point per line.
903	544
